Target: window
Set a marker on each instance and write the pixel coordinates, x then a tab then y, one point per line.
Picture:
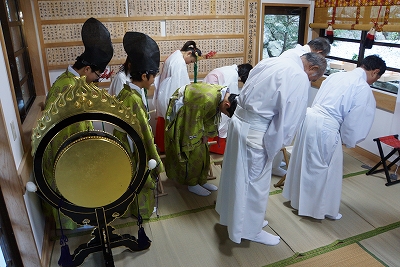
348	50
18	56
284	28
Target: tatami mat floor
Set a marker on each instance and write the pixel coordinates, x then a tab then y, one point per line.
187	232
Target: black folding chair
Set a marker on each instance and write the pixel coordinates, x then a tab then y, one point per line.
394	142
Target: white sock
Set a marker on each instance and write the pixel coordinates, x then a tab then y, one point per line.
210	187
334	218
266	238
278	171
265	223
199	190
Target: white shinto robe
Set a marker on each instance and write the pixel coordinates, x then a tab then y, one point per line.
227	76
271	105
342	112
174	75
298	50
118	82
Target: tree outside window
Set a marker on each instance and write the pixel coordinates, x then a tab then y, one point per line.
283	29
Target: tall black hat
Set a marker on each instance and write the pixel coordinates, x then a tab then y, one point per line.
98	46
142	51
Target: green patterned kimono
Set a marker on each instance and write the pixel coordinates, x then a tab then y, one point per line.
59	86
132	99
187	159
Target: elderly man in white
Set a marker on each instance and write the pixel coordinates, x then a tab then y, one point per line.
342	112
270	107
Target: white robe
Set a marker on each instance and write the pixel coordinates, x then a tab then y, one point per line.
174	75
118	82
227	76
271	105
298	50
342	112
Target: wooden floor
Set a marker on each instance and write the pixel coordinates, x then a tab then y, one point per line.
362	155
186	231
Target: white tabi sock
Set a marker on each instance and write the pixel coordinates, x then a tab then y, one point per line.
265	223
334	218
278	171
266	238
199	190
210	187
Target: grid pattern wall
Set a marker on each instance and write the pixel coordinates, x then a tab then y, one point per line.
216	25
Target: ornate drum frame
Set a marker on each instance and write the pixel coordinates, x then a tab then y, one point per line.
82	102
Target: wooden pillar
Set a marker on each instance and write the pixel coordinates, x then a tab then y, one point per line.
13	190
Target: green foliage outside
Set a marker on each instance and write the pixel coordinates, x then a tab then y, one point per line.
280	33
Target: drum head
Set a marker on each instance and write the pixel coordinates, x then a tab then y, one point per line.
93	171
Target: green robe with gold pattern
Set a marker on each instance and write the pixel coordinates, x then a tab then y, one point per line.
65	80
132	99
187	158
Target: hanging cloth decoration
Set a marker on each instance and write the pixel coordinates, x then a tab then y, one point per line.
207	56
329	33
143	240
358	13
370	38
65	259
329	30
